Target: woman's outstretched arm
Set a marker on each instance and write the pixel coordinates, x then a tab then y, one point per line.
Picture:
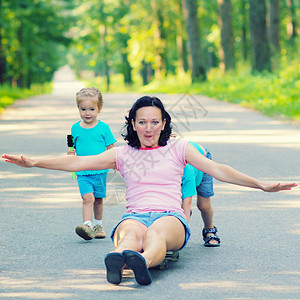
71	163
228	174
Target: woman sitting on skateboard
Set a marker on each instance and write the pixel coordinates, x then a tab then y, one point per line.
152	166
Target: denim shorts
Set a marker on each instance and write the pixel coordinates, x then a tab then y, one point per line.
149	218
95	184
206	188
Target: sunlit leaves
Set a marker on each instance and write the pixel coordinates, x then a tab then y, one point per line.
31	32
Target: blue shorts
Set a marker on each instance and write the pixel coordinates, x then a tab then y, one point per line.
95	184
206	188
149	218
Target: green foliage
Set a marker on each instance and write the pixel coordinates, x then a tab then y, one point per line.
32	34
9	94
275	95
117	84
133	41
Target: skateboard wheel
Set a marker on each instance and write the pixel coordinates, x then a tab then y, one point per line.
175	256
164	265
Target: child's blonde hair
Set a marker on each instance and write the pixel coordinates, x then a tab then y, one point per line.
89	92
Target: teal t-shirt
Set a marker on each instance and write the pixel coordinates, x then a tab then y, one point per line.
91	141
191	177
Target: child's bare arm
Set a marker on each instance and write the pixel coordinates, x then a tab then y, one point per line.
71	151
186	206
110	146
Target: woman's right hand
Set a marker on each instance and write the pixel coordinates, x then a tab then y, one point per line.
21	160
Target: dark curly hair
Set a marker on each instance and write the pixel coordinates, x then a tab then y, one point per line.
130	134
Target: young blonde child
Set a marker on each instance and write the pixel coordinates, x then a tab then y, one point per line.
91	137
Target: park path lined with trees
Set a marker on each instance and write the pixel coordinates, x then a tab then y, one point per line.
42	257
140	43
237	51
143	38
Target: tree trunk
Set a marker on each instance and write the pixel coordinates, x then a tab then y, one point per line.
191	19
212	61
244	30
147	72
2	64
293	23
126	69
181	40
106	69
227	38
105	59
20	79
144	72
259	43
2	58
161	36
274	26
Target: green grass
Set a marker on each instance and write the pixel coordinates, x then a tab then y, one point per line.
275	95
8	94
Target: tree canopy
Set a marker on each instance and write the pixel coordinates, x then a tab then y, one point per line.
150	39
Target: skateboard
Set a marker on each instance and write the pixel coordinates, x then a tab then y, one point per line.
171	256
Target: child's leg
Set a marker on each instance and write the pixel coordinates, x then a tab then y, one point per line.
86	229
87	206
98	208
85	185
100	194
99	232
204	192
207	213
204	205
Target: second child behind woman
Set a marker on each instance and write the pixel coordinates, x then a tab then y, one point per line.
91	137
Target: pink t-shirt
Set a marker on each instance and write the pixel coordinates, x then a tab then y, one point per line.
152	176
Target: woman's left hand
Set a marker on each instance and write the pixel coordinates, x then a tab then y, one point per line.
276	187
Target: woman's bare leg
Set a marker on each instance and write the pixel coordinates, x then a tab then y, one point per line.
165	234
129	235
146	247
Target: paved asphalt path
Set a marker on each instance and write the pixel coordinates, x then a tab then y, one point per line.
43	258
